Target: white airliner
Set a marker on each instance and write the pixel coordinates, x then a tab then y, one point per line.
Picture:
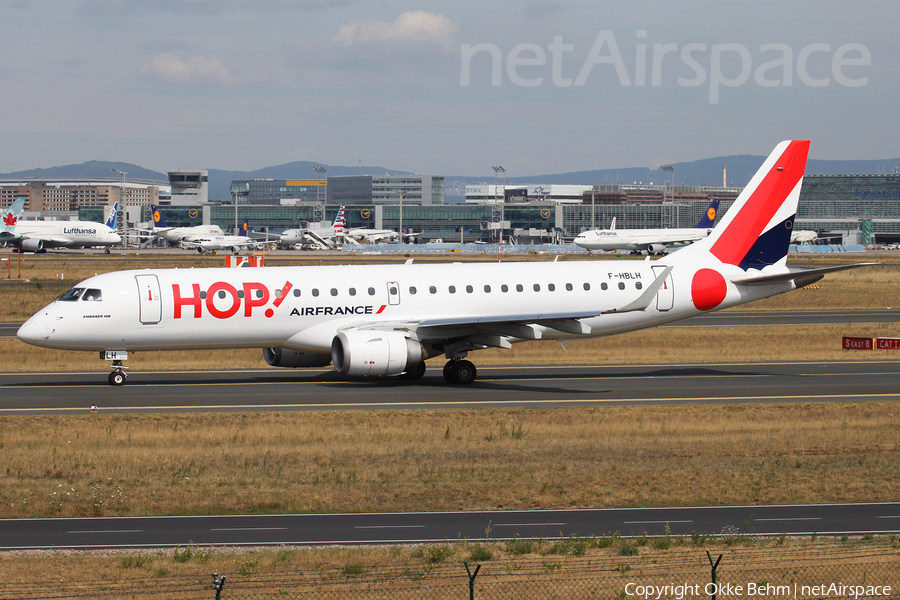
372	320
37	236
652	241
323	236
174	235
329	236
231	243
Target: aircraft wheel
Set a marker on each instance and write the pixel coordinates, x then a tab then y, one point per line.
462	372
415	371
116	378
448	368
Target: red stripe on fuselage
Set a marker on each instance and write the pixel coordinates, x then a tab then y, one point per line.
733	244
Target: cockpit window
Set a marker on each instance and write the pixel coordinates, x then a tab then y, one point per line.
92	295
72	295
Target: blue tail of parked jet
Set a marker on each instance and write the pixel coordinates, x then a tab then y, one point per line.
113	219
245	228
709	219
158	221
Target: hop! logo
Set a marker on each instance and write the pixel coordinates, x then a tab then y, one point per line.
9	220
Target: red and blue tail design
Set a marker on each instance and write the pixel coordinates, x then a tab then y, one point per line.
756	230
339	221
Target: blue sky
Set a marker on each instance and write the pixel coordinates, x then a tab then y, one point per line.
244	84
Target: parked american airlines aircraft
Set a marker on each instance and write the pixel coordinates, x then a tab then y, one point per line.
37	236
174	235
321	235
652	241
388	319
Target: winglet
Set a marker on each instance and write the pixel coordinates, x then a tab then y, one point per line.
644	300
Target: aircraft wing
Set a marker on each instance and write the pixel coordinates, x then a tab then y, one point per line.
516	325
800	277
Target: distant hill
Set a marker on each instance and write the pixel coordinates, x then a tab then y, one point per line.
740	169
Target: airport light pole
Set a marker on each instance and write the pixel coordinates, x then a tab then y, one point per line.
497	171
401	193
321	199
124	209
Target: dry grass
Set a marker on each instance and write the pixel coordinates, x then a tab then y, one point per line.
586	566
455	460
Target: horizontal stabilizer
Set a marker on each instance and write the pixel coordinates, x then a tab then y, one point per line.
800	277
644	300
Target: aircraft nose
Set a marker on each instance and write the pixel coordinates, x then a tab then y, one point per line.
116	238
37	330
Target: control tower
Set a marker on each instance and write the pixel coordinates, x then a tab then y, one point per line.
189	187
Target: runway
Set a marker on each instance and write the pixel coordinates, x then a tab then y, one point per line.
527	386
439	527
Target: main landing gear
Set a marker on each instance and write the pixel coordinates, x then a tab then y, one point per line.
460	372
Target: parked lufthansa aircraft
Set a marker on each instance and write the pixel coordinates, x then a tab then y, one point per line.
652	241
174	235
37	236
371	320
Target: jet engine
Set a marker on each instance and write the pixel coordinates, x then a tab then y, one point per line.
656	248
373	353
33	245
282	357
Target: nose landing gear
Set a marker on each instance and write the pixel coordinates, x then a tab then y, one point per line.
118	375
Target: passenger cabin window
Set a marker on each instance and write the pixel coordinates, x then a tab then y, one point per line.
568	287
604	287
352	291
587	287
371	291
519	287
432	290
277	293
334	291
487	289
621	285
315	292
638	285
92	295
537	287
504	288
469	289
72	295
412	289
551	287
452	289
296	293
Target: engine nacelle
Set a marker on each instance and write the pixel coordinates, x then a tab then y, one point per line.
282	357
373	353
32	245
656	248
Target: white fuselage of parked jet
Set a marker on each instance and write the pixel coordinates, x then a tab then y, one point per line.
38	235
174	235
654	240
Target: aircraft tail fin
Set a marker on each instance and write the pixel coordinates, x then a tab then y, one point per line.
709	218
12	214
245	228
339	221
756	230
113	218
158	221
612	226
